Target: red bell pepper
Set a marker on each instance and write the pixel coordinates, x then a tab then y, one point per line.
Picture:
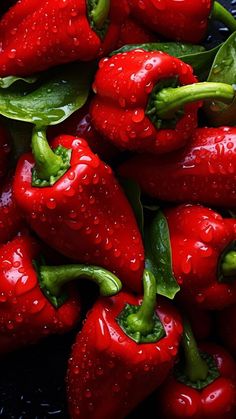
132	32
38	35
185	20
10	217
203	171
203	387
79	125
31	302
226	324
142	100
5	149
122	354
201	320
202	248
75	204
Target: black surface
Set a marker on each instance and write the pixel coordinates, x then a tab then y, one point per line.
32	380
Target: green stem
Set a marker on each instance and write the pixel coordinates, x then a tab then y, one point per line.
142	321
228	264
48	164
100	13
223	15
195	367
53	278
171	99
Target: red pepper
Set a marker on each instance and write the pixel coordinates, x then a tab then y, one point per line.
202	248
4	151
76	205
226	323
203	171
10	217
112	369
185	20
79	125
36	36
138	105
31	303
201	320
204	388
132	32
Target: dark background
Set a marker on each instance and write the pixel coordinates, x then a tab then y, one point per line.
32	380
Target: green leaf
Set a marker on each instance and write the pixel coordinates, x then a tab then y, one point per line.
223	70
133	194
159	256
195	55
51	99
8	81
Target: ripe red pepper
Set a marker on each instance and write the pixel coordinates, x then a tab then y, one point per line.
31	303
10	217
5	149
132	32
117	363
202	248
76	205
202	388
226	324
185	20
138	105
201	320
79	125
36	36
203	171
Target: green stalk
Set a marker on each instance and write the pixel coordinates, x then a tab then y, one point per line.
172	99
53	278
228	264
195	367
100	13
221	14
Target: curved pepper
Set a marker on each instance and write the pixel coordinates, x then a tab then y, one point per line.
205	388
142	100
202	247
203	171
117	372
32	304
36	36
226	323
79	125
185	20
10	218
76	205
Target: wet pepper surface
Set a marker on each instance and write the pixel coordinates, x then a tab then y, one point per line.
25	394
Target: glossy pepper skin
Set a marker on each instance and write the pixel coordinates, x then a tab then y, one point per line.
11	220
226	323
26	315
117	373
123	86
203	171
217	400
85	214
132	32
79	125
200	240
36	36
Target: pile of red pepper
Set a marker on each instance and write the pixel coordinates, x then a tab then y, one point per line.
118	165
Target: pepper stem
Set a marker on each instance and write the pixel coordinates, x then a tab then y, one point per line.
53	278
100	13
221	14
195	367
142	321
47	162
172	99
228	264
